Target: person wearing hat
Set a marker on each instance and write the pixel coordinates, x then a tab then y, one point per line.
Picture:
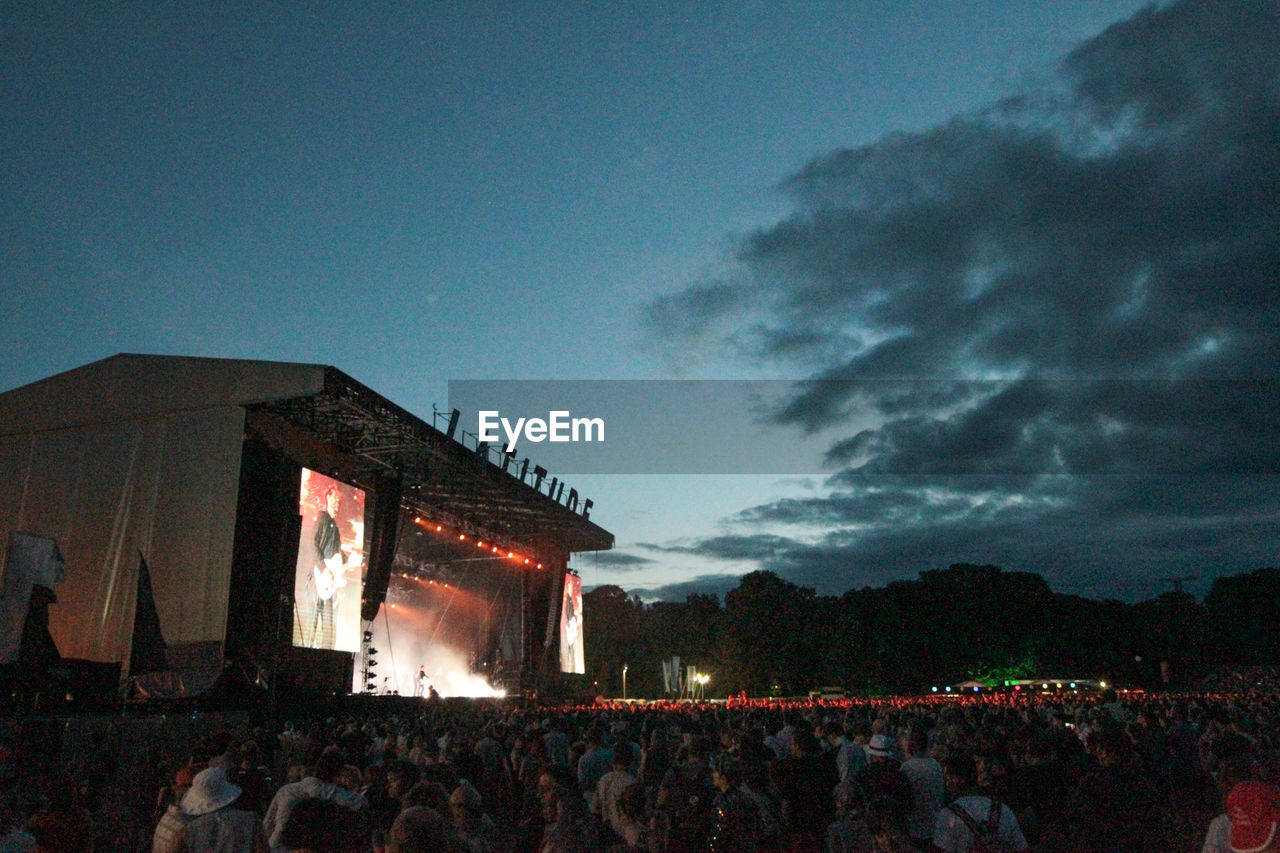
1254	811
215	825
882	775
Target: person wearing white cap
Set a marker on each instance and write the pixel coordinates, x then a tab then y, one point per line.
216	825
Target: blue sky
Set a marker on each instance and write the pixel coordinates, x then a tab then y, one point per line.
424	192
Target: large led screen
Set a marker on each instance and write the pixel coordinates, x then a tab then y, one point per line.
571	633
329	578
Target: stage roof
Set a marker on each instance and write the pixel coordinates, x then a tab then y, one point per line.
331	417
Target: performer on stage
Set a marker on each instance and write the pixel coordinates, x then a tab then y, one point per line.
571	651
328	571
420	682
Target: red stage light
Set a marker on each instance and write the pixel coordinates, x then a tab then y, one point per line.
439	528
462	536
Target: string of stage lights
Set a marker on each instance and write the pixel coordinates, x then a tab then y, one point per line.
461	536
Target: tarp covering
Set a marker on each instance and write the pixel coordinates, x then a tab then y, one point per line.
167	487
135	454
29	561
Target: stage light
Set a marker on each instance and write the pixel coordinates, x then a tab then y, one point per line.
510	555
372	663
935	688
462	536
371	686
480	544
372	651
495	549
368	635
539	565
439	528
526	561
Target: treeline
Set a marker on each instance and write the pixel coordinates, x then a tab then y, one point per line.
969	621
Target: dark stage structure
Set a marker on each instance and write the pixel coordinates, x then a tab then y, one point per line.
275	526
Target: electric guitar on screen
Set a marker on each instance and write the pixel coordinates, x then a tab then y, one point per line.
332	575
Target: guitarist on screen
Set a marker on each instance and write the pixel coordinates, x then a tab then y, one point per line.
328	571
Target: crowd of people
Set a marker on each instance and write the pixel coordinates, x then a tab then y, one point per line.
1059	774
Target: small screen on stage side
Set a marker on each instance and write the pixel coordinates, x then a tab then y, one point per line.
571	633
329	577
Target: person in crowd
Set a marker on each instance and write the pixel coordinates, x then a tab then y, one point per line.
476	831
685	797
849	833
655	760
806	784
569	827
1117	806
215	823
971	813
1253	809
170	834
420	829
62	823
596	761
928	788
611	786
632	824
318	825
1217	838
889	827
882	776
735	825
320	784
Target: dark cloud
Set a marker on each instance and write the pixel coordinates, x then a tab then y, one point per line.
1101	536
615	561
1061	311
730	547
